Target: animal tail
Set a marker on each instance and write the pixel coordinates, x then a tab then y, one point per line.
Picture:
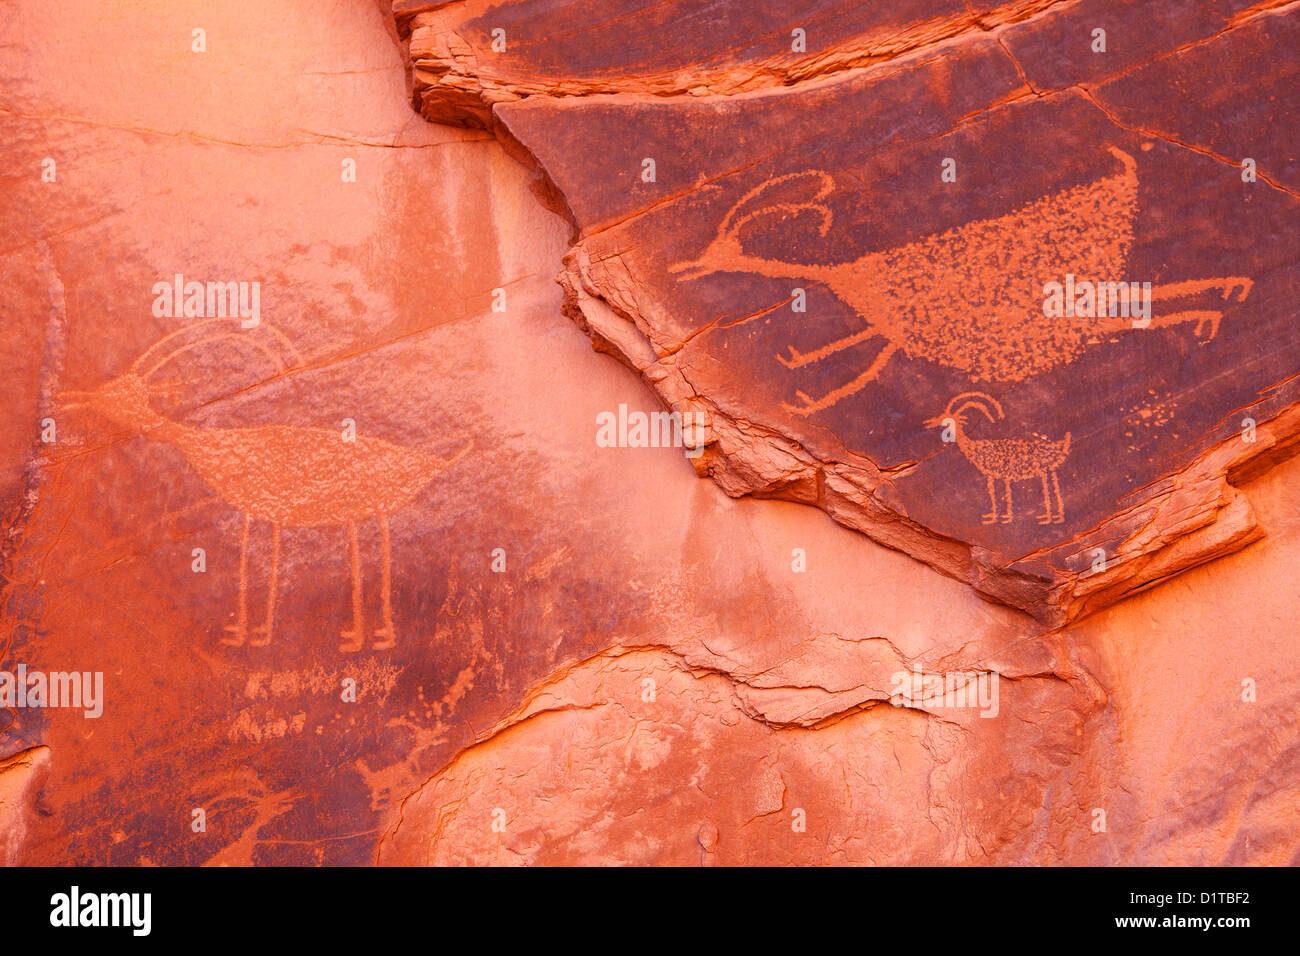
1129	162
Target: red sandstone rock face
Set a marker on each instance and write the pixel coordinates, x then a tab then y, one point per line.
1127	742
469	56
794	265
658	672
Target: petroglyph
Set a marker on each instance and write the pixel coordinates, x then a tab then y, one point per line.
288	475
969	298
374	682
1006	459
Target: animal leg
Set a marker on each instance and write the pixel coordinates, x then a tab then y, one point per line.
1200	317
1178	290
271	588
388	632
1046	516
240	627
1225	286
992	516
1060	505
358	627
811	405
1006	482
799	359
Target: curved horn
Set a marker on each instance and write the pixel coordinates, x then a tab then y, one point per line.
826	187
243	340
979	400
185	330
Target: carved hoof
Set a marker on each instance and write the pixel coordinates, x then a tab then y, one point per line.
1005	519
1045	519
1060	519
355	644
390	639
240	632
1244	285
989	519
260	641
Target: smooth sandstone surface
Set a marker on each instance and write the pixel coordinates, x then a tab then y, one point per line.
1136	714
513	721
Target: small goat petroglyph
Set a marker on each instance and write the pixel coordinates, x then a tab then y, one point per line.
1006	459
